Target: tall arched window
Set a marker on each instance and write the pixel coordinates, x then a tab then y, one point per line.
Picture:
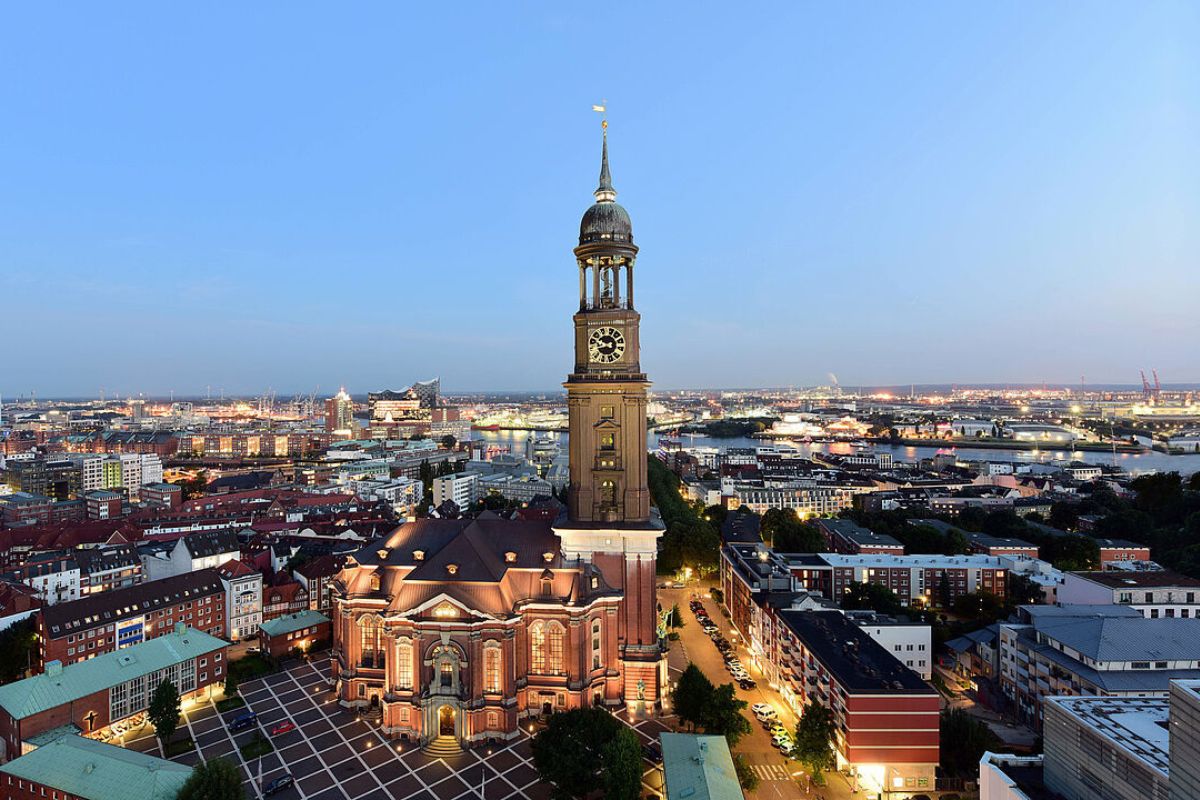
596	638
371	628
491	669
404	665
554	660
537	648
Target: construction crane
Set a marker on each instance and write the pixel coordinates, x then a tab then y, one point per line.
1157	387
1147	392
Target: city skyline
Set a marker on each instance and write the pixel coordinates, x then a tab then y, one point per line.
983	199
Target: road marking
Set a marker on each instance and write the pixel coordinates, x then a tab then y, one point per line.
771	772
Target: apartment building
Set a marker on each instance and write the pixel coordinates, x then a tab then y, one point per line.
243	600
886	717
917	580
103	569
189	553
100	623
1154	593
847	537
1092	650
461	488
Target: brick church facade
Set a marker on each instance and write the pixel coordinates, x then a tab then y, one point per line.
453	631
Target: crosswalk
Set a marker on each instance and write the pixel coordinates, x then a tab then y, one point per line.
771	772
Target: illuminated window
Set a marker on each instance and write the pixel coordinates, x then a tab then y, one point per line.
491	669
606	412
607	441
596	644
555	659
537	648
447	673
371	632
404	665
608	493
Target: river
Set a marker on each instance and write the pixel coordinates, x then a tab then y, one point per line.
1134	463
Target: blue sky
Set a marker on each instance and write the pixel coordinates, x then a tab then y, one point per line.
247	196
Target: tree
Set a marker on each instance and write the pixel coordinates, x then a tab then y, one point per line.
944	594
579	748
164	710
622	766
215	779
814	739
982	607
722	714
231	683
964	741
691	693
676	617
747	777
1022	591
871	597
17	643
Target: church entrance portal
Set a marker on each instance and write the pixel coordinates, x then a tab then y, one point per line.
445	721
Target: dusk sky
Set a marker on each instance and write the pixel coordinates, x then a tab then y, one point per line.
246	196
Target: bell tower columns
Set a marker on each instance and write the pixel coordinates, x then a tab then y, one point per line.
609	521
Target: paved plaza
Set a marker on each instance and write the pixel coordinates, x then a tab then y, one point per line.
333	755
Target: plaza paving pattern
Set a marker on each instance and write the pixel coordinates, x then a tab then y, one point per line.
333	755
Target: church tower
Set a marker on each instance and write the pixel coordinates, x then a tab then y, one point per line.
609	521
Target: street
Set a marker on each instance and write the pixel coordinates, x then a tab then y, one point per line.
779	777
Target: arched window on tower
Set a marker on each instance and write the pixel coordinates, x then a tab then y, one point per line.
491	668
404	664
554	658
371	641
537	648
596	646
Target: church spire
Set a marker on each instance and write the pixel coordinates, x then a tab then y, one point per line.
605	193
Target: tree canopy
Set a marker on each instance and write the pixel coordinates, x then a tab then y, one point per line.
215	779
690	540
815	739
871	597
964	741
714	709
583	751
164	710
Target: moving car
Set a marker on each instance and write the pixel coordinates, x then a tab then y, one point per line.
283	727
278	785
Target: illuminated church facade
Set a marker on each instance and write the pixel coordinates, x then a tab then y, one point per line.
454	630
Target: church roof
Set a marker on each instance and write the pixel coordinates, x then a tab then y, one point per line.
488	565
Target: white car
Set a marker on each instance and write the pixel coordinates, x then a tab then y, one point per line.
763	711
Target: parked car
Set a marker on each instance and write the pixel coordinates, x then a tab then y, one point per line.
278	785
763	710
652	752
747	683
284	727
243	721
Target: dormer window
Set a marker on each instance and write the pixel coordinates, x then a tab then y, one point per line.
418	555
510	557
452	568
382	553
375	581
547	557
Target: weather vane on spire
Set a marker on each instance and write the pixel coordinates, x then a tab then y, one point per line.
602	109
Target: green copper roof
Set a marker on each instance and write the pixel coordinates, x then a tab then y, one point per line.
97	771
59	685
698	768
290	623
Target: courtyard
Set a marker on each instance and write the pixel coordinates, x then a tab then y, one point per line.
334	755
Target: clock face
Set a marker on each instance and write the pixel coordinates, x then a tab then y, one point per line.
606	345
